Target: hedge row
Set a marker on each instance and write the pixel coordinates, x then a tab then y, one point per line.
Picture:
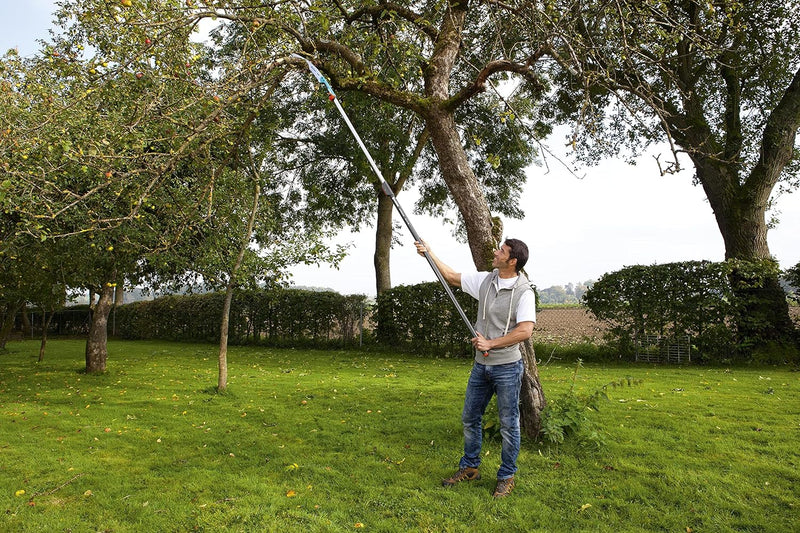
274	317
693	298
417	317
423	318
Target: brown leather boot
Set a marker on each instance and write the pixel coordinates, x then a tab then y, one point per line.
464	474
503	487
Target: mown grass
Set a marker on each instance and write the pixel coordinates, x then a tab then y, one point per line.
343	441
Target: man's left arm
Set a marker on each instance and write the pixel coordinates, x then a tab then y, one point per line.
520	333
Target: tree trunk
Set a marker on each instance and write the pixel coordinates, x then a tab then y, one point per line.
463	186
8	324
441	125
97	342
119	293
531	396
384	227
27	328
46	320
383	244
740	214
222	378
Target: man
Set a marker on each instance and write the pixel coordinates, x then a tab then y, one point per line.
506	314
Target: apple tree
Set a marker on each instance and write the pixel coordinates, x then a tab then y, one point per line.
117	152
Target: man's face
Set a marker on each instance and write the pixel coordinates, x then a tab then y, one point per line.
501	257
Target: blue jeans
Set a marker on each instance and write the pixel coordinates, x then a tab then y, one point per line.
484	381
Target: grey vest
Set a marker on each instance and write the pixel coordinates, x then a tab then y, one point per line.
497	315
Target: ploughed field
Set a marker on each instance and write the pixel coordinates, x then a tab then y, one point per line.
567	325
572	325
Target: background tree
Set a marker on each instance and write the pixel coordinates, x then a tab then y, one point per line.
720	81
85	161
46	283
337	182
12	290
249	242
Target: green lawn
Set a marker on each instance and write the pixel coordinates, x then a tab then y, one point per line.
346	441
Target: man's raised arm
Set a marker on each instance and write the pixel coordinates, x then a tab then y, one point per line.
451	276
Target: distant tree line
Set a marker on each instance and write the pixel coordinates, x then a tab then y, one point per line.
564	294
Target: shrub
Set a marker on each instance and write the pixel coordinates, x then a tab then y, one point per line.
791	277
423	318
705	300
275	317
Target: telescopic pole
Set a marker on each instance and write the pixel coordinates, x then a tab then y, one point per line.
387	190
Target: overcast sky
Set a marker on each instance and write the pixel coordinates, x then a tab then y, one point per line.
577	229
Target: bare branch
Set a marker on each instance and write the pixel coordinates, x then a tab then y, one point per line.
493	67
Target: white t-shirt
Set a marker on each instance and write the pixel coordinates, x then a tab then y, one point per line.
526	307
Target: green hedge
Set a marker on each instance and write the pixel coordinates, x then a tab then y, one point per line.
694	297
275	317
422	318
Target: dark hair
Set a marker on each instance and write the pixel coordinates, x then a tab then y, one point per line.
517	250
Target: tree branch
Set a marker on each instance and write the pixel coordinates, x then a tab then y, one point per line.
493	67
778	141
417	20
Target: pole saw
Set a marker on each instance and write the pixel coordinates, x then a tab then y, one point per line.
387	190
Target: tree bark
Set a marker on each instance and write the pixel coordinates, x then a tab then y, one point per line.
531	397
46	320
463	186
441	124
222	365
383	244
97	342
